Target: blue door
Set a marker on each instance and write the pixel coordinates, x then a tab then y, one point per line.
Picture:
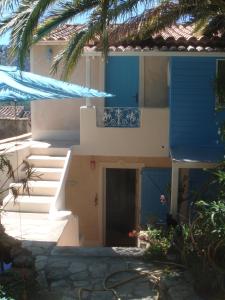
155	182
122	80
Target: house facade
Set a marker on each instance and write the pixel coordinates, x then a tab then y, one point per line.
131	153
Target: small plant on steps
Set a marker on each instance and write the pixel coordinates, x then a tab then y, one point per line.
8	244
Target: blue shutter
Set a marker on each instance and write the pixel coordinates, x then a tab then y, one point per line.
122	80
154	183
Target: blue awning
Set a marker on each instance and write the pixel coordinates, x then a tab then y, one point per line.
26	86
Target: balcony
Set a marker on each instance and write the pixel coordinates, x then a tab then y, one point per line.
150	138
122	117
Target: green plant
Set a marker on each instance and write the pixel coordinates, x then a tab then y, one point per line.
3	295
159	243
203	247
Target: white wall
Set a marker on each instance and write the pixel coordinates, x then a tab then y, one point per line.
151	139
155	71
60	119
56	119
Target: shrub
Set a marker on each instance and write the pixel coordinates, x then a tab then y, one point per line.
158	242
3	295
204	246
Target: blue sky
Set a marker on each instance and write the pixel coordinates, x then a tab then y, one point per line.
4	40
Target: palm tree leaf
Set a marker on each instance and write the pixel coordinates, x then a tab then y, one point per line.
8	5
37	10
59	16
74	49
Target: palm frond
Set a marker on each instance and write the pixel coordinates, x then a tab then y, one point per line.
63	54
64	13
8	5
14	18
74	49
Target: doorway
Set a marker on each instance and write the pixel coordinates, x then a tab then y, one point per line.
120	207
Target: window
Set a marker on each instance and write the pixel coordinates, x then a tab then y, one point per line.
220	84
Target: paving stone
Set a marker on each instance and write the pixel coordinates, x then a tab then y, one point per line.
77	267
85	295
118	266
144	292
144	298
37	250
98	269
63	271
80	276
41	279
56	274
67	298
59	284
81	283
97	283
69	295
104	295
46	295
182	293
40	262
58	263
98	251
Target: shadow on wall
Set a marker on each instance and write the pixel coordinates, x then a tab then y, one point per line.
11	127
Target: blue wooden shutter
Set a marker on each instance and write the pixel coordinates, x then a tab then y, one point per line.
154	183
122	80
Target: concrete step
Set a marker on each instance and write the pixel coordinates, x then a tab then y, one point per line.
37	204
35	150
48	173
46	161
37	188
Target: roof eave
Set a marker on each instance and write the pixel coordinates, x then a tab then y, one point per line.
151	52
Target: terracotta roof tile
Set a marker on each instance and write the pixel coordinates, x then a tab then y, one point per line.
176	37
63	33
8	112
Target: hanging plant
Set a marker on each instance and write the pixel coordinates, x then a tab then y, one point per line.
220	85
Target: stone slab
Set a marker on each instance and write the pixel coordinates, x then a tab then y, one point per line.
98	251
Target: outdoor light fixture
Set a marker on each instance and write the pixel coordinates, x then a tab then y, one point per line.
92	164
49	54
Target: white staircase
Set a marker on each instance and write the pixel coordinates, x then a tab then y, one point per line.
38	213
48	165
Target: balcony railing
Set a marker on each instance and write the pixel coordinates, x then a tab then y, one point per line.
122	117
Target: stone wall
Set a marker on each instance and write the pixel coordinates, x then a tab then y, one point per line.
11	127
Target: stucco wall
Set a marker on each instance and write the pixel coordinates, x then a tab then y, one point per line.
156	81
56	119
11	127
60	119
85	189
151	139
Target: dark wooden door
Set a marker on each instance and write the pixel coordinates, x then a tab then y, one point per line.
120	206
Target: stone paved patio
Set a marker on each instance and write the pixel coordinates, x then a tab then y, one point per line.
63	271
